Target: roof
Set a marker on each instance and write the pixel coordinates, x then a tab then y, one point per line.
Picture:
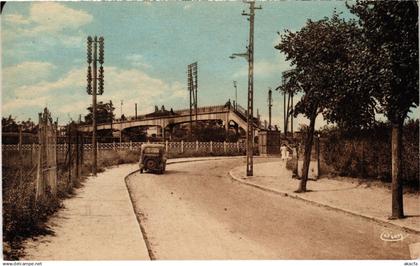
150	145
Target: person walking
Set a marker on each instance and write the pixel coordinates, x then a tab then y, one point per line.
284	152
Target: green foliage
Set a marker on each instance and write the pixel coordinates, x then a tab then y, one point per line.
323	55
104	113
365	153
390	36
9	124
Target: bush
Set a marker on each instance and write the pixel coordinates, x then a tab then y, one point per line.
24	217
367	153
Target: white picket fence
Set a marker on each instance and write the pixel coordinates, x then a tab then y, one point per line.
174	147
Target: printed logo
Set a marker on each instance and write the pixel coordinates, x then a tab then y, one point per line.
392	236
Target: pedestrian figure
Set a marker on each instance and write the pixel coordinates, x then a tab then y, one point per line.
284	152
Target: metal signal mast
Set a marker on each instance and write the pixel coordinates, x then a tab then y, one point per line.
98	85
192	88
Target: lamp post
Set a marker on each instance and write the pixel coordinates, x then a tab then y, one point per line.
249	56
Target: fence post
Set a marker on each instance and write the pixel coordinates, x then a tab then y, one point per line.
211	146
131	145
20	154
113	146
82	147
32	154
182	146
237	146
224	147
69	149
39	174
166	146
196	145
77	155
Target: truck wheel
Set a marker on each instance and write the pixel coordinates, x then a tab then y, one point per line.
141	170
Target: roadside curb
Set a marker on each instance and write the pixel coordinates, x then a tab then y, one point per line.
143	232
142	229
319	204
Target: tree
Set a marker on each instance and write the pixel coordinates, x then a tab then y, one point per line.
9	124
322	54
104	113
390	30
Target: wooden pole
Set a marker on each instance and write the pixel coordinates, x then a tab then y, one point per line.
20	155
70	179
94	91
39	173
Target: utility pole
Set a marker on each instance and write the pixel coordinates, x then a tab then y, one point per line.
249	56
192	88
250	133
92	75
135	110
291	117
121	123
236	94
270	104
284	114
287	108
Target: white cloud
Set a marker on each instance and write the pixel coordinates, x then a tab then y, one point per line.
51	20
25	73
53	17
265	68
74	78
16	19
19	103
67	94
80	106
137	60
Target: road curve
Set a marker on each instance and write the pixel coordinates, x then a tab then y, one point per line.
195	211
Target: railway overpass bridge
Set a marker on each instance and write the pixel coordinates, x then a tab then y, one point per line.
227	113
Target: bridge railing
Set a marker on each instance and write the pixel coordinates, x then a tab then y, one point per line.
204	109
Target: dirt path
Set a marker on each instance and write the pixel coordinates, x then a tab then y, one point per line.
195	211
97	224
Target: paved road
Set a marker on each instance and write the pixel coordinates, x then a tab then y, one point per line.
195	211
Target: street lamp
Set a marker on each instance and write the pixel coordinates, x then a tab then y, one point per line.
249	57
244	55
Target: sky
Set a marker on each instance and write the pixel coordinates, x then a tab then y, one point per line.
148	46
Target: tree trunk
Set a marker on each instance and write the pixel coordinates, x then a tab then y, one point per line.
307	155
397	189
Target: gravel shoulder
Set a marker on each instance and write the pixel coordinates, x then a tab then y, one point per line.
98	223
